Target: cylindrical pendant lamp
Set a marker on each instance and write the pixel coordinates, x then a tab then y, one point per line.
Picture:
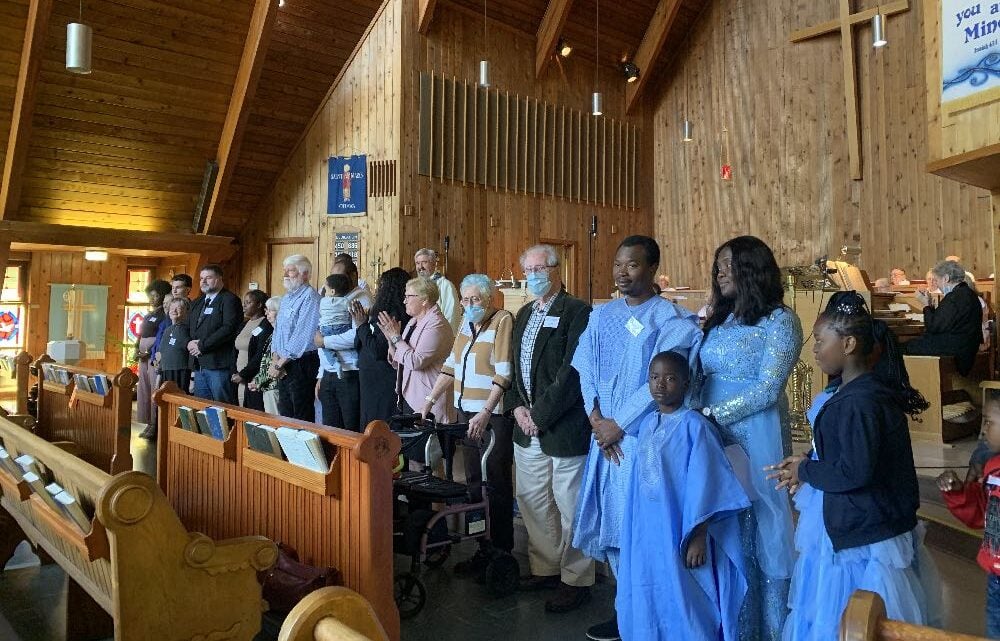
78	45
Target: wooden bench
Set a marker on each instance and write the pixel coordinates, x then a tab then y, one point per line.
14	383
101	426
340	518
938	380
137	570
332	614
864	619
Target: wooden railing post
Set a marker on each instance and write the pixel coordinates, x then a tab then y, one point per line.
22	366
123	387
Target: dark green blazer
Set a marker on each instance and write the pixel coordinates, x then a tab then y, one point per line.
556	404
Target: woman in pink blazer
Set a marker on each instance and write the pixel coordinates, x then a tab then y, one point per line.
419	350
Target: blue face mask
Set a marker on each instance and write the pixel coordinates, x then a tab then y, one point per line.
474	314
539	284
947	289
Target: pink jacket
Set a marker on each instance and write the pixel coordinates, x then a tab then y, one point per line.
422	357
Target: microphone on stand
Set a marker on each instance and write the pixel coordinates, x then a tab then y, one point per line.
447	244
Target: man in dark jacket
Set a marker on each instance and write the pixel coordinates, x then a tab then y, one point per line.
216	318
955	327
553	438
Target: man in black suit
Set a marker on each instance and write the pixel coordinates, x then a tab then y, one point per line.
954	327
553	438
216	318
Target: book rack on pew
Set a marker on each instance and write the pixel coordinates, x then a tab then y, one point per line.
99	424
137	572
14	384
341	517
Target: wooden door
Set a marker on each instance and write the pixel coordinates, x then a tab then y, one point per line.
566	251
281	248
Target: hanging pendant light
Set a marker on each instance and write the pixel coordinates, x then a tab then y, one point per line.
687	123
597	99
78	45
484	65
878	31
687	131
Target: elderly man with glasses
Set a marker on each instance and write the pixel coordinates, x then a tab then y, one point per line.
552	436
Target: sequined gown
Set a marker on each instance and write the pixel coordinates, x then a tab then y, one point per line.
744	369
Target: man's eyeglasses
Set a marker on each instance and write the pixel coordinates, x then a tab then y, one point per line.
537	270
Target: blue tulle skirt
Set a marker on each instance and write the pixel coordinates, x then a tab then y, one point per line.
897	569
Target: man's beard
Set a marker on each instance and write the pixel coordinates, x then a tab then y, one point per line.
292	284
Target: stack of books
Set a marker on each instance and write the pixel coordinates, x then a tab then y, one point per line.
211	421
301	447
52	494
98	384
56	374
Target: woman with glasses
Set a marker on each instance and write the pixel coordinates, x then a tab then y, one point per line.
474	379
418	351
751	344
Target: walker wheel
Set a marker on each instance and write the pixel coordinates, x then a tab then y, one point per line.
503	574
410	595
435	558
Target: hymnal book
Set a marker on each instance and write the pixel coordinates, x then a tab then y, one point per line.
82	383
188	419
262	438
298	451
27	463
38	486
315	445
73	510
63	376
218	422
203	425
8	463
53	489
98	385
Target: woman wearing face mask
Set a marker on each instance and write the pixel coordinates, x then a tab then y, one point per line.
954	327
477	374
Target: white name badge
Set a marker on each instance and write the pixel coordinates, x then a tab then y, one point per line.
208	310
257	331
993	480
173	340
152	319
634	326
551	321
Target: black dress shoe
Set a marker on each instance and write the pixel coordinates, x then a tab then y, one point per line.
568	598
607	631
538	583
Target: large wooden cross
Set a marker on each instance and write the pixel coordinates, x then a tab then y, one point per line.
845	26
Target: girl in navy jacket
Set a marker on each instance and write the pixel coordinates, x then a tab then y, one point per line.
860	530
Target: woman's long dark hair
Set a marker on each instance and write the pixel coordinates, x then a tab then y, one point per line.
389	295
847	314
757	279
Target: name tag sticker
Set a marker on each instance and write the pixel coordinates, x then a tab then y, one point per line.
208	310
993	480
634	326
152	319
257	331
173	340
551	321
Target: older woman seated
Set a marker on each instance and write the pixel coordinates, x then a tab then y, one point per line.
954	328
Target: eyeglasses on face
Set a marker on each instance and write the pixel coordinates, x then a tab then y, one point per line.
537	270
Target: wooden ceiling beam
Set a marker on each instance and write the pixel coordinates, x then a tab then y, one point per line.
650	47
215	248
251	64
425	14
19	139
549	32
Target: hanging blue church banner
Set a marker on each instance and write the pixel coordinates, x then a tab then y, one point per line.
347	179
970	49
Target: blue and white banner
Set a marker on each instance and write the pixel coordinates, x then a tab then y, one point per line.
970	47
348	185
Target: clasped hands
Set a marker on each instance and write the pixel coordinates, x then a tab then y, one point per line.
608	435
786	473
525	422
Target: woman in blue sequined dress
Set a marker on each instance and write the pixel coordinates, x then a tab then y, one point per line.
751	344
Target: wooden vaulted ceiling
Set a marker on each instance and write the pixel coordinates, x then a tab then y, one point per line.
126	147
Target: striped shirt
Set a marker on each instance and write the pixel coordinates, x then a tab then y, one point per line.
479	361
298	318
539	310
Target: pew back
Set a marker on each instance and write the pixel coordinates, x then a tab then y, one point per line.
340	518
101	425
14	383
137	562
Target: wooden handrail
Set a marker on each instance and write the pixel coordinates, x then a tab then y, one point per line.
332	614
864	619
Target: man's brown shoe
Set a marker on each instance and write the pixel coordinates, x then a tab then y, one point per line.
567	599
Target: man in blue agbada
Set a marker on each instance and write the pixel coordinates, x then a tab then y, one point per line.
680	573
613	358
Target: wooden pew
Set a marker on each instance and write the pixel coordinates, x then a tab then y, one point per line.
332	614
341	518
100	425
936	378
138	569
864	619
14	383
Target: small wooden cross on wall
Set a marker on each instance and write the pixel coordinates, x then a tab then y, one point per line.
845	26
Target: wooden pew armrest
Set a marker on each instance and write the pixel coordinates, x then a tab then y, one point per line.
230	555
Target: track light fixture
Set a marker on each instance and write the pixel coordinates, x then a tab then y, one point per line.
564	48
631	71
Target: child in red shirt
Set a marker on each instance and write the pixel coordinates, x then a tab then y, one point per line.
977	504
